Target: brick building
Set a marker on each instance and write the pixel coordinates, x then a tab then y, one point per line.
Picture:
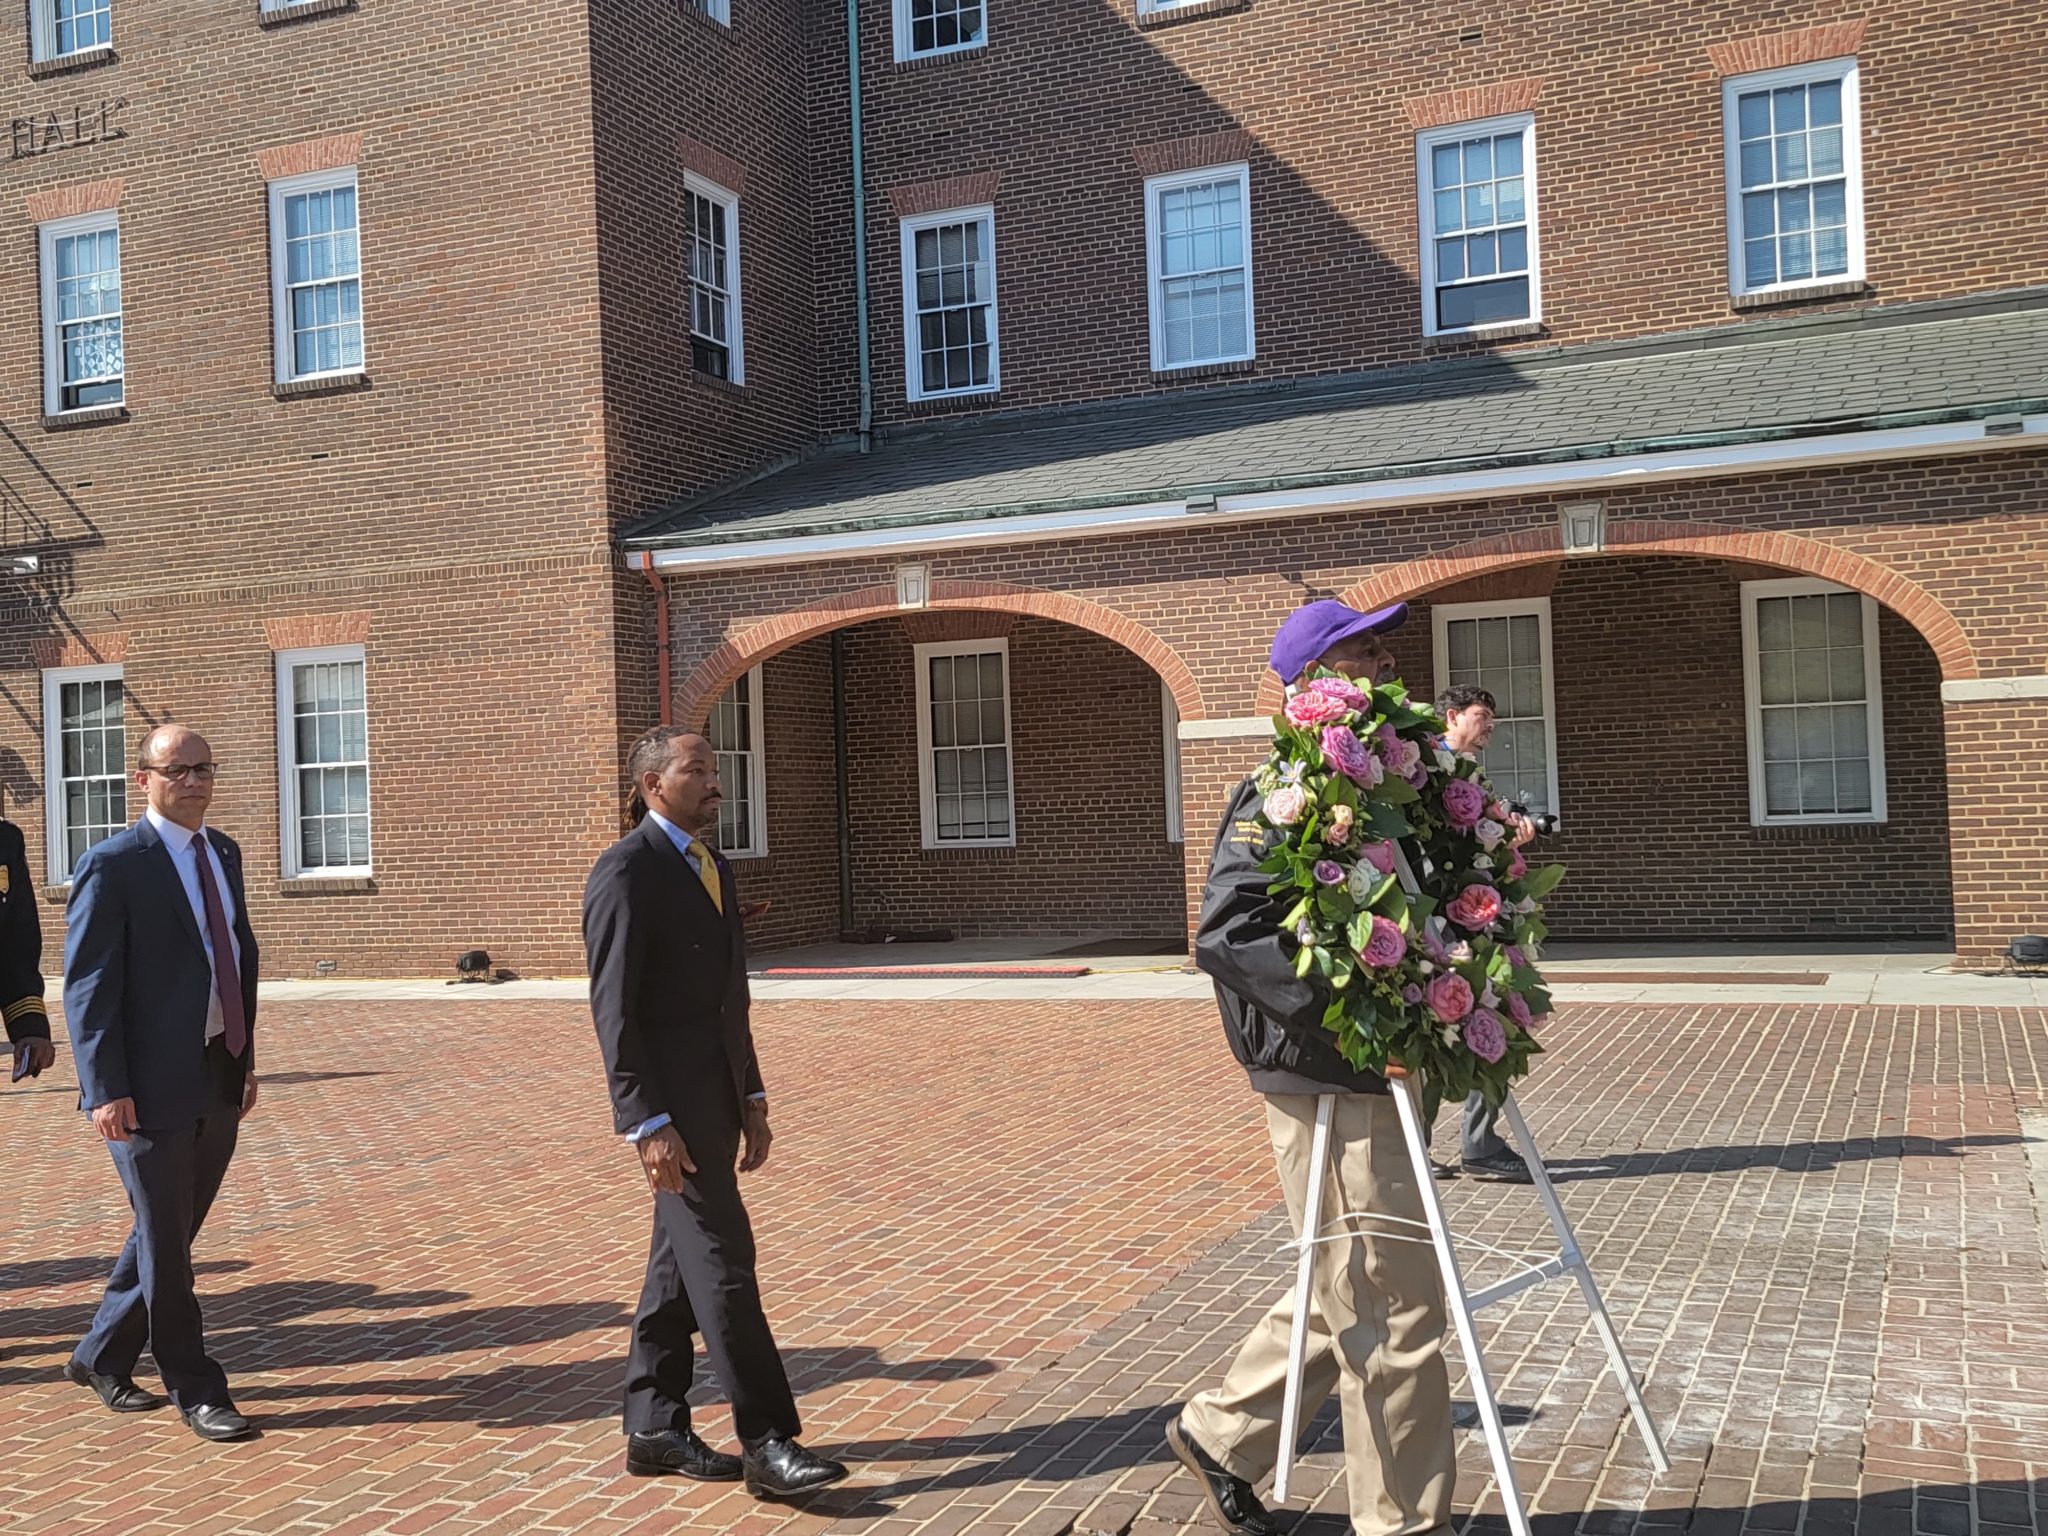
422	433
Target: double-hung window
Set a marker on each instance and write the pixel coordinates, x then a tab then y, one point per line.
711	219
323	761
58	29
926	29
1816	718
1505	649
1477	196
949	304
316	275
85	769
963	744
1198	261
1795	177
82	355
735	733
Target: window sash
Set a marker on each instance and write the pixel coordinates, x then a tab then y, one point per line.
735	730
324	762
85	367
1477	205
1811	675
929	28
65	27
951	327
1505	649
965	780
711	272
1198	257
316	258
85	762
1793	169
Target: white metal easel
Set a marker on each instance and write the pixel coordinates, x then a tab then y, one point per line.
1463	1304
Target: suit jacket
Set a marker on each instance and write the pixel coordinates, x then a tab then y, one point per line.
21	943
668	985
136	981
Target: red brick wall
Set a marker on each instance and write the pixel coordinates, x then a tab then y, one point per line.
1653	768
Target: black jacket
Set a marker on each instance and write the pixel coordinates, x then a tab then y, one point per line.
1273	1018
668	986
21	943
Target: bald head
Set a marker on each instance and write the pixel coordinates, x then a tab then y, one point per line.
175	772
676	772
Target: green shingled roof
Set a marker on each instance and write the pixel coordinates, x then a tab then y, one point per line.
1880	367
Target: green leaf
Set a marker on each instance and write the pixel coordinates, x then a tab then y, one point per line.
1386	821
1397	792
1539	883
1304	960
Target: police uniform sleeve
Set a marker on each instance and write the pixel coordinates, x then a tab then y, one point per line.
21	944
1238	942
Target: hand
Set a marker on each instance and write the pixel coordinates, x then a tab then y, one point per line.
37	1053
248	1095
665	1159
754	1127
1524	830
115	1119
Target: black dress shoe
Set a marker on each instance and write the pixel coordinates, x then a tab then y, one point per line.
1502	1167
1442	1170
778	1468
1231	1500
679	1451
118	1392
218	1421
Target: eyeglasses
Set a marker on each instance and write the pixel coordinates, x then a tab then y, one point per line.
199	773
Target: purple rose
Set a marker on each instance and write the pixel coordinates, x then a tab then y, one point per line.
1342	690
1518	1010
1464	801
1484	1034
1411	993
1516	958
1329	872
1379	855
1343	751
1402	757
1386	946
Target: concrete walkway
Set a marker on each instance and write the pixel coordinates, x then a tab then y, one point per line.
1893	975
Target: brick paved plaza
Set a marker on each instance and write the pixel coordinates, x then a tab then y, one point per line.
993	1270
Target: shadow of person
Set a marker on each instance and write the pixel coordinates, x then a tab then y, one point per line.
1790	1156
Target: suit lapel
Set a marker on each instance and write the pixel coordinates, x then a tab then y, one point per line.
652	831
170	884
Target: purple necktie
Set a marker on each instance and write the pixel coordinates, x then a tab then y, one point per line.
227	980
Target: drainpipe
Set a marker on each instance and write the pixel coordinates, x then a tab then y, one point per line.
839	783
660	633
860	227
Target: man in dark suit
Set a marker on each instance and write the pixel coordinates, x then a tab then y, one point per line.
21	960
668	991
160	999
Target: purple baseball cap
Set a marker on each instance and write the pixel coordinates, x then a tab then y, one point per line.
1308	632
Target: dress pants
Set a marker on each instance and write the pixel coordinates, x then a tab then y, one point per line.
1479	1138
172	1174
700	1280
1375	1331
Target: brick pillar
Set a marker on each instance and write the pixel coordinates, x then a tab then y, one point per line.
1209	771
1998	822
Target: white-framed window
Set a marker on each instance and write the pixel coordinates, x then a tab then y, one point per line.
927	28
719	11
1169	730
735	733
323	761
83	362
1505	649
1795	177
949	304
963	744
1815	704
1476	193
60	28
316	275
711	222
1198	266
85	762
1156	7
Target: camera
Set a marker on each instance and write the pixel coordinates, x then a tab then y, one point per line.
1545	822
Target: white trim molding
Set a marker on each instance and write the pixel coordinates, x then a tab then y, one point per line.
1468	232
981	217
755	768
1241	728
927	788
1995	690
56	820
291	850
1157	189
1872	704
1443	615
1849	132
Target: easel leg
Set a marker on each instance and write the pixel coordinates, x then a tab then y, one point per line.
1461	1311
1576	1263
1304	1277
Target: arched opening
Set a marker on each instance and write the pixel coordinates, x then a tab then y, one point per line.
996	742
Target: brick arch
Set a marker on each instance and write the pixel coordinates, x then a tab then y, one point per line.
1659	536
758	642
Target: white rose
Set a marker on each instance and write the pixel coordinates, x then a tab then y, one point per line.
1361	881
1489	832
1446	759
1285	805
1481	861
1489	998
1526	904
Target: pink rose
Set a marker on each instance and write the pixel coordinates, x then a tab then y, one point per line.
1475	907
1379	855
1343	751
1518	1010
1450	997
1464	801
1484	1034
1313	709
1402	757
1285	805
1329	872
1386	946
1345	692
1338	832
1517	865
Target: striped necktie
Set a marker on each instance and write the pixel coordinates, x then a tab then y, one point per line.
707	871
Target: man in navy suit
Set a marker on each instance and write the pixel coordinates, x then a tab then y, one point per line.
160	1000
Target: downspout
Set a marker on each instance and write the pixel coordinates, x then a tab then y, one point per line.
860	227
839	784
661	661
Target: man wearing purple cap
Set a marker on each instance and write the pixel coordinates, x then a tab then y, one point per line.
1375	1333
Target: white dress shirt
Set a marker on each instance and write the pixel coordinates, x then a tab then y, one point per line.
181	844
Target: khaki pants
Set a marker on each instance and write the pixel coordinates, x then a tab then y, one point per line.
1375	1330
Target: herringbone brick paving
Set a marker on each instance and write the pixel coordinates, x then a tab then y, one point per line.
1001	1240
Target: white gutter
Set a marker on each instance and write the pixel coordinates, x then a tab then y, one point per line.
1618	473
